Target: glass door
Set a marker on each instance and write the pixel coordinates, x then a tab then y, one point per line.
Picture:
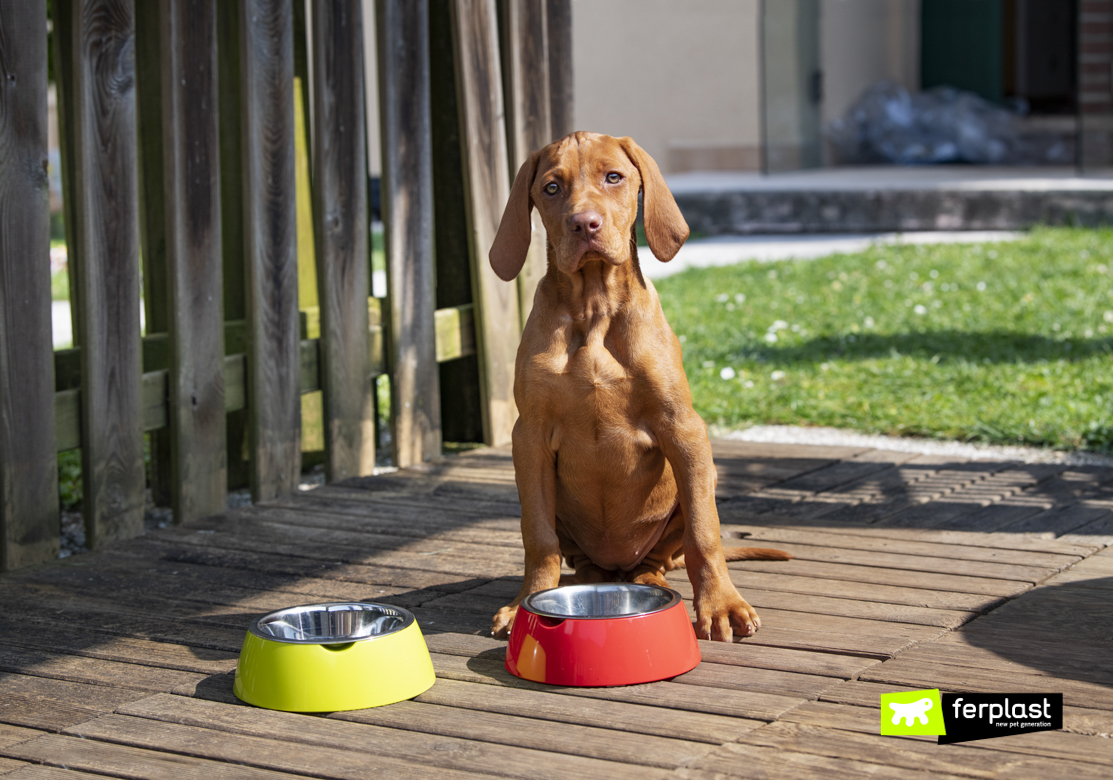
792	85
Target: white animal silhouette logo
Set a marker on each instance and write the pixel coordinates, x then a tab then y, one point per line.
911	712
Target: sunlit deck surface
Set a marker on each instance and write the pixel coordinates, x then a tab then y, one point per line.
911	572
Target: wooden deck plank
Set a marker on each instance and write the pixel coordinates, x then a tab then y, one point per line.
1058	520
263	736
110	619
969	538
82	642
922	563
200	580
892	613
252	561
623	717
101	758
90	696
9	766
525	731
181	593
666	695
868	593
727	448
737	760
811	536
724	677
330	550
883	576
39	772
46	715
914	755
42	663
1049	659
14	735
475	529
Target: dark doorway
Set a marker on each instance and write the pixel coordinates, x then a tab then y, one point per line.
1023	50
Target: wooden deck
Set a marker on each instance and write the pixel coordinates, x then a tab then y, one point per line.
911	572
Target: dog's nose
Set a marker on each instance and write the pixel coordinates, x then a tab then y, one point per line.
586	223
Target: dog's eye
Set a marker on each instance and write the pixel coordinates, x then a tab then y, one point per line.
552	188
613	177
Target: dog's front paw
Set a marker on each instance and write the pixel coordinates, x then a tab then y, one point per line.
719	616
501	622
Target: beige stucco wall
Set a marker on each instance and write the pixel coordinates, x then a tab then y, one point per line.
681	78
864	41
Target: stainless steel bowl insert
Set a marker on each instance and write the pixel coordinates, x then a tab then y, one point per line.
331	624
598	602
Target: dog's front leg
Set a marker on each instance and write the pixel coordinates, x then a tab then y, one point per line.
535	473
717	602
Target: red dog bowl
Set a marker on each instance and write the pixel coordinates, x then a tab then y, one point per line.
595	635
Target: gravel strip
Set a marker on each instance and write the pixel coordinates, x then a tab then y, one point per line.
791	434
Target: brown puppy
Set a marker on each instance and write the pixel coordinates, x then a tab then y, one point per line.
613	465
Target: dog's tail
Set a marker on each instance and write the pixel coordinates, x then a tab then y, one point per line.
756	554
745	554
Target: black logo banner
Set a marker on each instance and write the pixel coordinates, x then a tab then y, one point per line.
971	716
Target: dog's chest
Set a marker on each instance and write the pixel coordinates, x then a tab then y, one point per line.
590	397
594	368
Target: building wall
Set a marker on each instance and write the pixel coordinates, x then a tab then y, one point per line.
682	79
864	41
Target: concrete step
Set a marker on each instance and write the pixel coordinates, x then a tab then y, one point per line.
891	199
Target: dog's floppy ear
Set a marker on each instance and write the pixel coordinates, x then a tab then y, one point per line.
665	228
508	252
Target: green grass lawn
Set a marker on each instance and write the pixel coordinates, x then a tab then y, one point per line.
1006	343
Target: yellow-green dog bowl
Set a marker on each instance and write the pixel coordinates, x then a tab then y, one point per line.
329	657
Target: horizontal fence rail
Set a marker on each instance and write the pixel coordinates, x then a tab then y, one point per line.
215	180
454	332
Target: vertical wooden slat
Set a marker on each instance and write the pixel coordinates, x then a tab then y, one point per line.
461	409
152	215
232	227
559	32
270	249
487	185
339	162
106	235
193	242
407	187
28	462
529	126
62	18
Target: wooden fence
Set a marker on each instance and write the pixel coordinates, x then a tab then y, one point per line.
177	120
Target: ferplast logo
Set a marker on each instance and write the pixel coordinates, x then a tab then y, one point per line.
912	712
971	716
964	717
